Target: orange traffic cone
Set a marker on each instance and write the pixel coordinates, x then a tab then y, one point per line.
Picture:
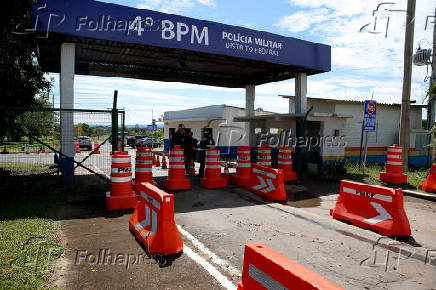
78	149
143	167
164	162
430	183
243	169
285	162
192	170
176	175
157	160
264	156
226	172
96	149
121	195
154	159
212	173
394	166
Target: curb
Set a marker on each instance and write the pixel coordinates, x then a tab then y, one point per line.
427	196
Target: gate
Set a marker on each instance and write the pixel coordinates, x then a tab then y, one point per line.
30	140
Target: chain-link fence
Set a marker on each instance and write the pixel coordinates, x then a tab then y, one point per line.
31	140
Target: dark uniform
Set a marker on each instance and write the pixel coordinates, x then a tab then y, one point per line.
188	152
204	143
177	139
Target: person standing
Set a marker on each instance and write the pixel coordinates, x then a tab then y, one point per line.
204	144
178	137
188	151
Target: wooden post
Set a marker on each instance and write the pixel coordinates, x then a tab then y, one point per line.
407	79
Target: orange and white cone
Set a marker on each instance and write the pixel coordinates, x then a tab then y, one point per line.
176	175
164	162
157	160
212	171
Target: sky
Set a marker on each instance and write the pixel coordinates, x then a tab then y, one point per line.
364	63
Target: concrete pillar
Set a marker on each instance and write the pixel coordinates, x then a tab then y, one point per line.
300	93
249	112
68	56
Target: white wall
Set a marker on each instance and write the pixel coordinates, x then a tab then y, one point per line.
388	124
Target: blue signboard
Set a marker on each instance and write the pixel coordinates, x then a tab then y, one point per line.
369	118
107	21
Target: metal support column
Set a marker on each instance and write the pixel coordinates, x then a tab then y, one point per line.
115	124
249	112
68	56
300	93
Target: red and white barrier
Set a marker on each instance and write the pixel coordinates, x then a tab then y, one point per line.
265	268
268	182
372	207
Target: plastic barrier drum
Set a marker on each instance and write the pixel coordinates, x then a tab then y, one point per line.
264	156
212	173
153	223
394	166
143	167
243	169
265	268
176	174
285	162
96	149
121	195
267	182
430	183
372	206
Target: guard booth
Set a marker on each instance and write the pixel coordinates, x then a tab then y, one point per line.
118	41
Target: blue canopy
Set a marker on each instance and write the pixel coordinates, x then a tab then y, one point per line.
114	40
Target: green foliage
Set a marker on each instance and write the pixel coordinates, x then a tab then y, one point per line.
21	76
158	134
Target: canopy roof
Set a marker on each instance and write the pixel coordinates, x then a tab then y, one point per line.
119	41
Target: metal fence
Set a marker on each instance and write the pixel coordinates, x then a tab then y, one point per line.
30	140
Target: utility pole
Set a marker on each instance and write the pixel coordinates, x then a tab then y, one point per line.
431	98
407	80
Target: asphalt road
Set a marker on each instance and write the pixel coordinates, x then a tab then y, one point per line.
216	224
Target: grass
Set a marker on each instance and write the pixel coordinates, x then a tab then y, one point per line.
415	176
27	234
16	146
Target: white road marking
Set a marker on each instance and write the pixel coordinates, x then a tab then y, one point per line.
209	268
223	264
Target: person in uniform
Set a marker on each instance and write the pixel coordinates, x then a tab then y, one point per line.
178	138
188	151
204	144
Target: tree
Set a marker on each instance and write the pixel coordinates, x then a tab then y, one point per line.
137	129
36	123
21	76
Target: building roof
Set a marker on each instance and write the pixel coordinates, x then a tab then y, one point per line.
168	47
356	100
281	117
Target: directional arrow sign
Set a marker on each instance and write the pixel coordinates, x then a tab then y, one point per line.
382	214
270	187
264	184
261	185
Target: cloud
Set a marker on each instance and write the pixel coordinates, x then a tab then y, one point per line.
365	59
173	6
303	20
210	3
